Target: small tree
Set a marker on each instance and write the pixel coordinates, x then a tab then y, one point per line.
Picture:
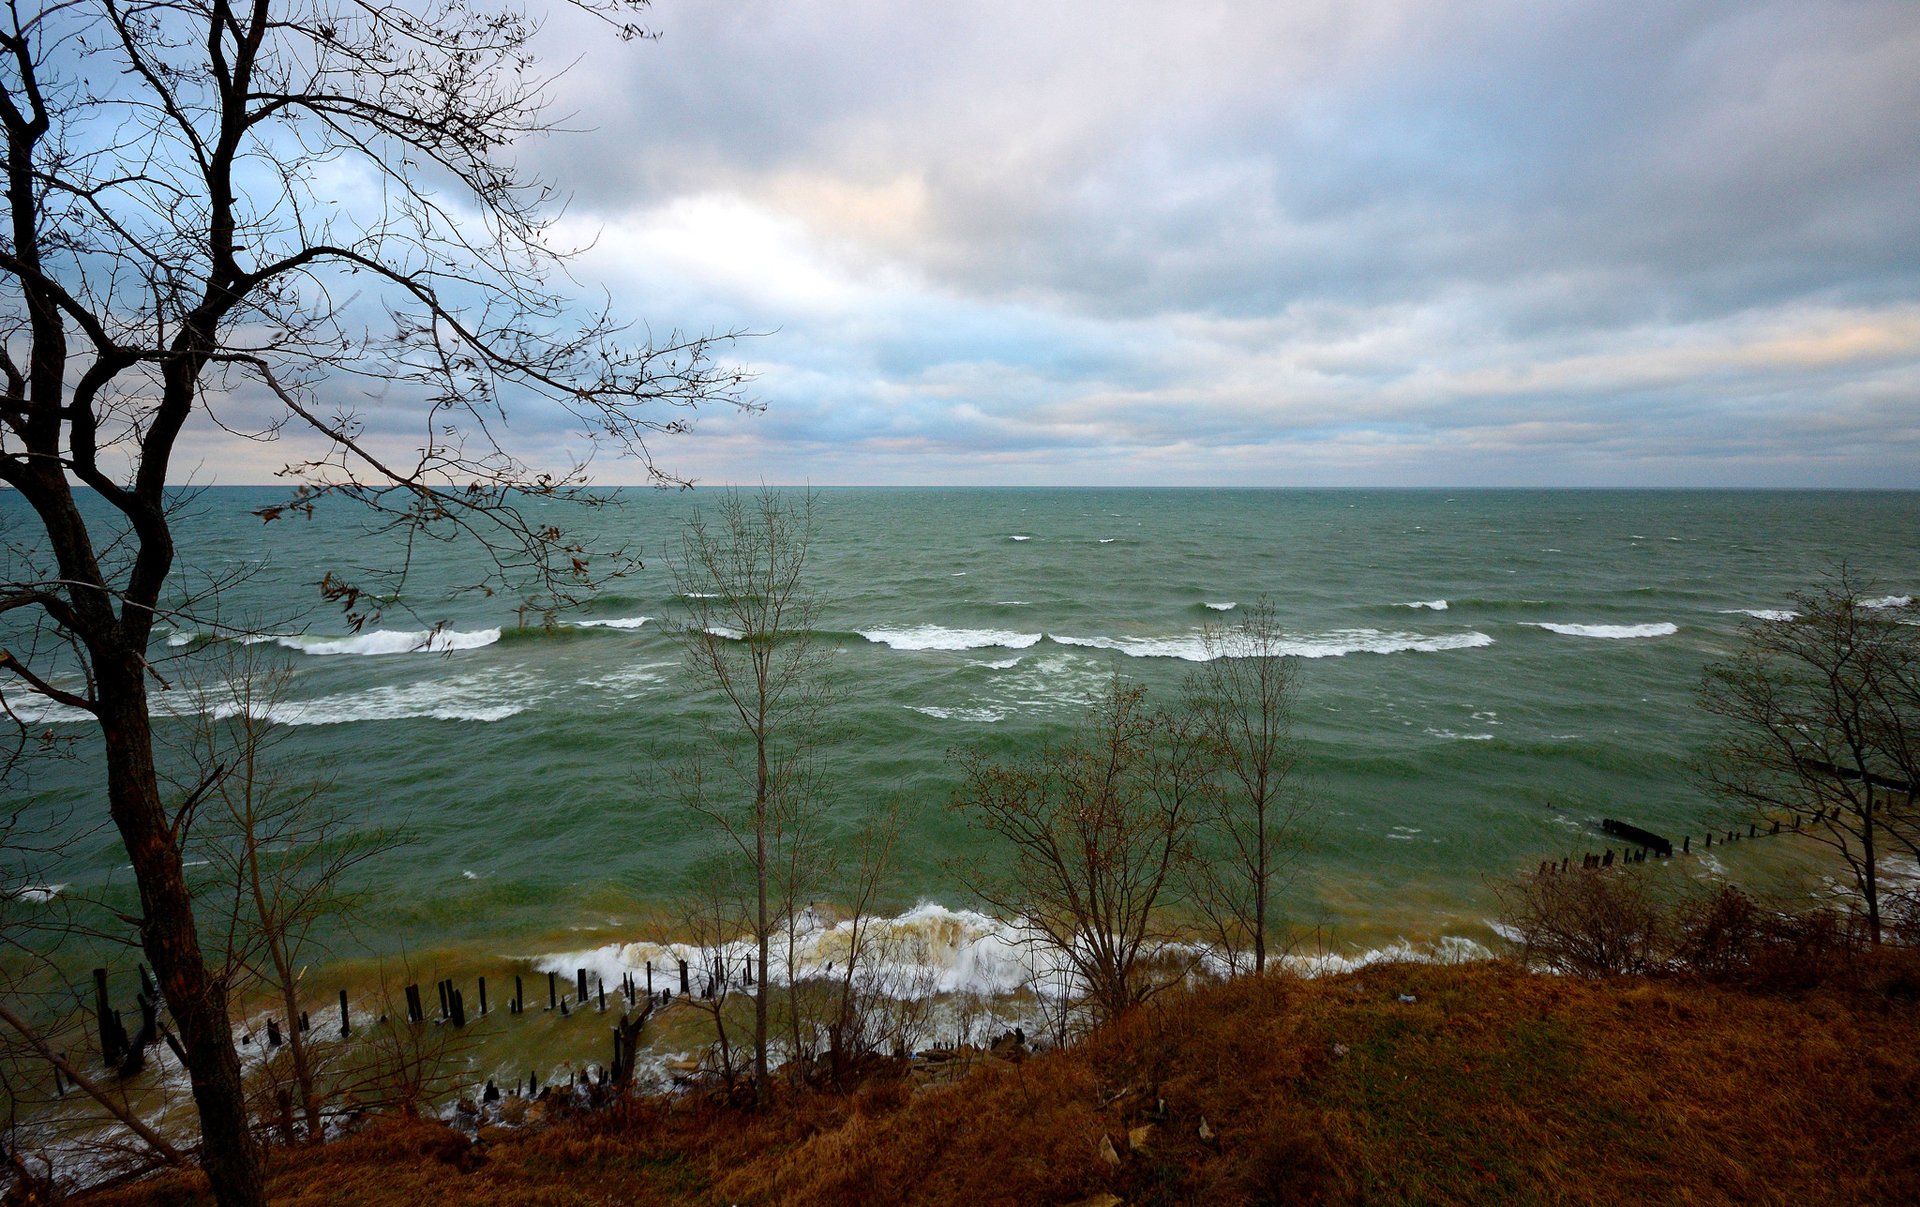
1822	727
279	851
1099	827
748	633
1587	922
1241	702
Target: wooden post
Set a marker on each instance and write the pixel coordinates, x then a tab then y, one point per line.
284	1098
483	996
600	983
113	1036
445	1012
273	1033
343	1014
533	1085
749	970
459	1005
649	980
580	983
553	991
305	1024
1686	845
683	979
519	996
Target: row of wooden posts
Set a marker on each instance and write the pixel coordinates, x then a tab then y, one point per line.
1639	843
126	1053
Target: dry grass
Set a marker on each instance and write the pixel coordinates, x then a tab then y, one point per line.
1493	1085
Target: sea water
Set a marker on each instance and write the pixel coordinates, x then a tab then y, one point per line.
1483	675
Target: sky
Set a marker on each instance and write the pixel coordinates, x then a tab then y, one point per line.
1381	243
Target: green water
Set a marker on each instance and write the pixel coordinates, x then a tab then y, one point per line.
1444	746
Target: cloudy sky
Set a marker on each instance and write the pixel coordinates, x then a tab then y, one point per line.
1319	242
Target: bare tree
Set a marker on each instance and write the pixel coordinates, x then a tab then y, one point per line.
180	249
1822	727
1241	700
749	633
1100	828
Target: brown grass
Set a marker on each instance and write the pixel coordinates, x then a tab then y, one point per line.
1492	1086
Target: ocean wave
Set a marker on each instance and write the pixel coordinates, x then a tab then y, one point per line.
1228	606
31	709
386	641
618	622
35	894
935	637
1616	632
959	714
1338	643
1887	601
927	951
1760	613
1432	605
1003	664
479	698
1019	538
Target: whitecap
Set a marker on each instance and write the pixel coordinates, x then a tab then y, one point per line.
928	951
1228	606
935	637
1432	605
463	698
620	622
389	641
1616	632
959	714
725	632
1887	601
1019	538
1108	540
1335	644
1005	664
1760	613
37	894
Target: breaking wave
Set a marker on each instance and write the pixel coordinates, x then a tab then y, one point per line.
386	641
935	637
1193	647
1616	632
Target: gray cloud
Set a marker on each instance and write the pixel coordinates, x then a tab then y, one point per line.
1316	242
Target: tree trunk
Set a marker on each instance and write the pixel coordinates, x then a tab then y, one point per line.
167	932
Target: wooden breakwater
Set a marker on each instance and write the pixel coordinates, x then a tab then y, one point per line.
1639	844
125	1054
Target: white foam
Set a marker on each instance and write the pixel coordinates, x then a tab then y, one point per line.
927	950
960	714
1228	606
935	637
1334	644
1614	632
1005	664
1432	605
1760	613
31	709
483	698
1887	601
1019	538
1449	949
621	622
389	641
725	632
37	894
